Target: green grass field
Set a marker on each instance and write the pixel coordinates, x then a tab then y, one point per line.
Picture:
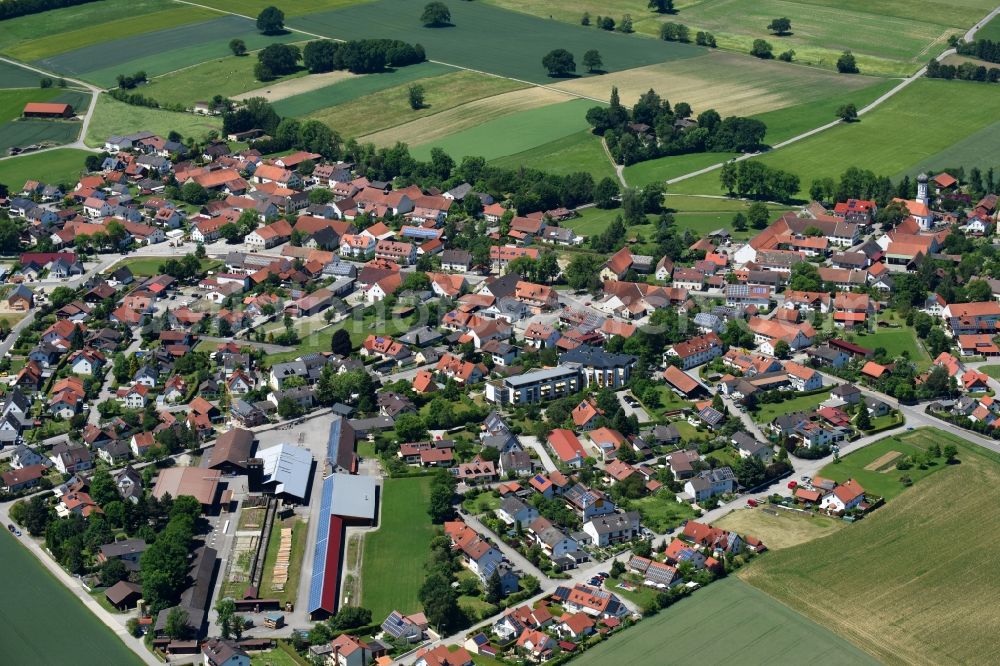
661	512
160	51
917	573
991	30
665	168
53	166
129	26
884	480
253	7
227	76
355	88
12	101
581	151
114	117
31	132
778	528
730	621
490	39
515	133
897	135
991	370
977	150
769	412
394	556
355	118
895	341
291	588
31	596
150	266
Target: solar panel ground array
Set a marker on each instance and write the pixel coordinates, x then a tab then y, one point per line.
490	39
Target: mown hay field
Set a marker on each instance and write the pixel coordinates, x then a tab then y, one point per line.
725	622
779	528
491	39
63	166
577	152
914	582
114	117
355	118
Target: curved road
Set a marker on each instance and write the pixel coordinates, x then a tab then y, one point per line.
94	92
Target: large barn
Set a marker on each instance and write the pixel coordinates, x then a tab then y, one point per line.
47	110
347	500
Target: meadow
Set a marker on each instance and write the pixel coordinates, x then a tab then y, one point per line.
895	341
114	117
892	138
917	574
883	478
581	151
355	118
160	51
778	528
53	166
395	555
31	594
513	133
662	512
490	39
668	168
355	87
730	621
991	30
770	411
727	82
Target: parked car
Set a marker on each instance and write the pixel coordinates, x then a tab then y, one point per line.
792	485
752	503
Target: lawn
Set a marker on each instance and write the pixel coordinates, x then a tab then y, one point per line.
918	573
150	266
882	477
778	528
283	655
895	341
490	39
727	82
894	137
577	152
355	118
515	133
12	76
769	412
661	512
291	589
732	622
481	503
161	51
395	555
129	26
31	594
355	88
991	370
54	166
114	117
227	76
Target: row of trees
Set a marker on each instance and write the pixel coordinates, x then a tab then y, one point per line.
967	71
361	56
276	60
652	128
678	32
755	180
984	49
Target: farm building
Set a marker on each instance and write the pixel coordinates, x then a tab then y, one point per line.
47	110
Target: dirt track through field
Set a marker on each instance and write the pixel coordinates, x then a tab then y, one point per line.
883	462
292	87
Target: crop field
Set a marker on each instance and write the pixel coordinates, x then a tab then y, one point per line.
55	166
980	149
30	595
874	466
513	133
228	76
12	101
394	555
30	132
355	87
12	76
472	115
295	85
577	152
114	117
990	31
779	528
127	26
902	132
253	7
25	29
727	82
490	39
160	51
355	118
917	573
730	621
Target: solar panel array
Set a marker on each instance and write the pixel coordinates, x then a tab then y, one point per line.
319	554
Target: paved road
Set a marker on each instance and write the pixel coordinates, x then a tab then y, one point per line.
519	561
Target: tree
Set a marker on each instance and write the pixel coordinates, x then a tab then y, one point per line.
442	492
409	428
780	26
782	349
177	623
805	277
583	272
340	343
662	6
559	62
238	47
103	489
416	93
288	408
320	56
762	49
626	24
45	82
193	193
705	39
585	19
847	64
436	15
280	58
848	113
739	222
230	623
950	453
606	192
787	56
271	21
592	60
494	589
113	571
440	602
350	617
758	215
617	569
863	420
750	471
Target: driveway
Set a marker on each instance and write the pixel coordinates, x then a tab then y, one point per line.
538	447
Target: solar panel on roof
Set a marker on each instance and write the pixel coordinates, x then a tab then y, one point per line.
319	554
